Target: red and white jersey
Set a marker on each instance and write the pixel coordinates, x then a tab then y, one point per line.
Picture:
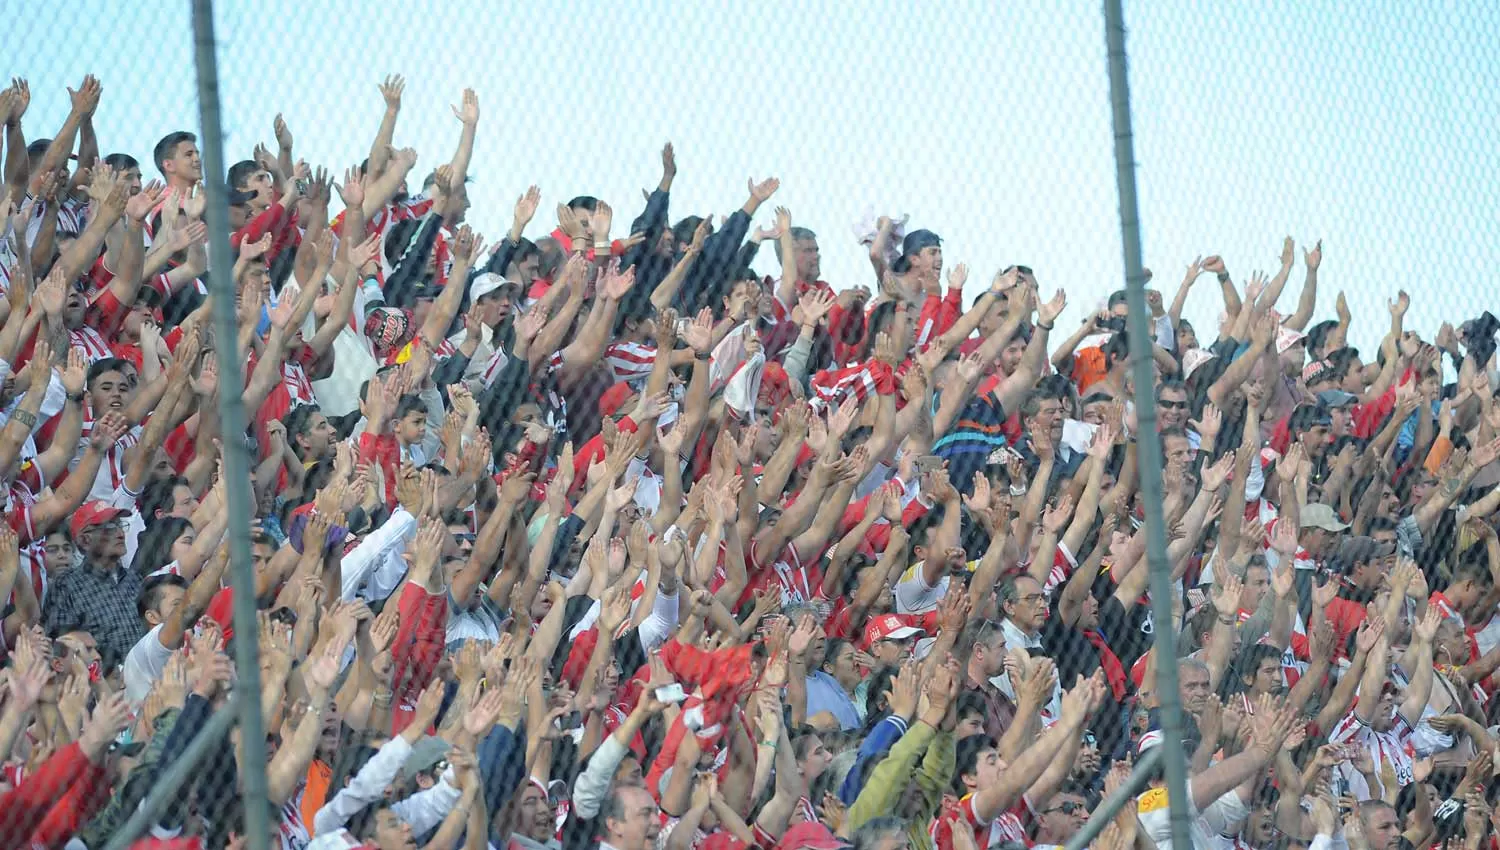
298	388
90	343
291	832
112	470
799	584
1294	659
1007	827
22	498
1390	751
630	361
1445	608
1485	636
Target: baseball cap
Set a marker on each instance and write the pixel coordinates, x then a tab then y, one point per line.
426	753
1286	338
888	627
91	514
1359	550
814	836
1318	515
1194	358
1331	399
484	284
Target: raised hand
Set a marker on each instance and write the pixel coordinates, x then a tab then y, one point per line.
86	98
1046	314
283	133
468	113
762	191
391	90
526	207
1225	595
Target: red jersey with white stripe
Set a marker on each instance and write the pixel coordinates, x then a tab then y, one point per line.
799	584
1007	827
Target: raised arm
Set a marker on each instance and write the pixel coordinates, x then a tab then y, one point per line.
1308	301
665	292
468	115
380	150
84	101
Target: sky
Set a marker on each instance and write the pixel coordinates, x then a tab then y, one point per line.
1367	125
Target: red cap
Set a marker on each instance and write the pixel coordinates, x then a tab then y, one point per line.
93	513
614	398
888	627
813	836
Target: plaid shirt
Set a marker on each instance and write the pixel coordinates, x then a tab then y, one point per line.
103	603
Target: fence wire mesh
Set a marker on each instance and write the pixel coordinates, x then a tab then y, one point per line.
766	472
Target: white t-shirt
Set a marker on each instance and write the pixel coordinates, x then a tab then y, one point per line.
1220	817
915	596
144	665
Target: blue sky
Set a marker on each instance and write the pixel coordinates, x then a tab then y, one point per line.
1367	124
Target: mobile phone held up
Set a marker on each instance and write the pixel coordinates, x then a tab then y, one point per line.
672	693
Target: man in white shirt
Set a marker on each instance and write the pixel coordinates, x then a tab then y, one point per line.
629	820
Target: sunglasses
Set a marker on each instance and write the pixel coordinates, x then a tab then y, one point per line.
1067	808
1173	405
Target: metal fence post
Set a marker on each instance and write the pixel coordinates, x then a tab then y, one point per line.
232	415
1148	447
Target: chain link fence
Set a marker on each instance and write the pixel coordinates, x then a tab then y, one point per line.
686	550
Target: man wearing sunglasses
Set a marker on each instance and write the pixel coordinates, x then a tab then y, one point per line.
1060	818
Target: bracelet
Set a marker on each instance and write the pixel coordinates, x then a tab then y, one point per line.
1222	276
75	397
1046	327
25	417
601	246
771	744
1228	621
702	355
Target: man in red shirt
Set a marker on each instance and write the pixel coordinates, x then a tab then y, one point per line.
1360	567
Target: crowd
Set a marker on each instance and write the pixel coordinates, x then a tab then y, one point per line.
599	536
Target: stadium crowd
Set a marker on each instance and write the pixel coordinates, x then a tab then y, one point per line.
599	537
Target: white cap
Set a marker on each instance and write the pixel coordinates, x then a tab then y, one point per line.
484	284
